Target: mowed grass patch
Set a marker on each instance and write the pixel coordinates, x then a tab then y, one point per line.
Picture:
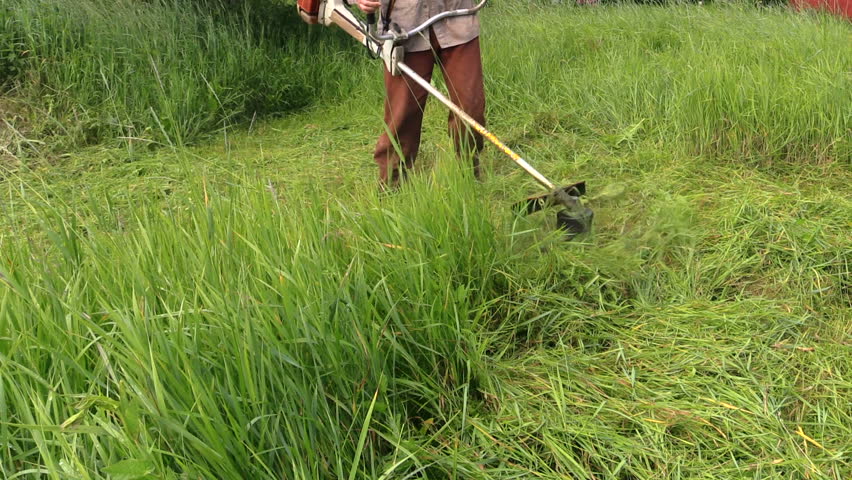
687	390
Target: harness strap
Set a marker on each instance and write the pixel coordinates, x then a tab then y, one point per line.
386	18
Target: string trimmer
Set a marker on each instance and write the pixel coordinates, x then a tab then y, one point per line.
574	218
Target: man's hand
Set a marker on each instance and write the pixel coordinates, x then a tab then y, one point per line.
369	6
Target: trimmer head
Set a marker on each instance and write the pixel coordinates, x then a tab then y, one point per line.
538	202
575	218
575	223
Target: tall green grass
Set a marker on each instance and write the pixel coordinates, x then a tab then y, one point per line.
165	71
723	80
305	326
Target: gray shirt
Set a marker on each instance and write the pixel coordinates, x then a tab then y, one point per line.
450	32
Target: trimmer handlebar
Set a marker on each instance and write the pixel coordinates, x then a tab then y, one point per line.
400	36
338	12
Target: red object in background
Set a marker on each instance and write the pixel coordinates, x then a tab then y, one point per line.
840	7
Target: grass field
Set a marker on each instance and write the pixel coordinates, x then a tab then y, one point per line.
242	304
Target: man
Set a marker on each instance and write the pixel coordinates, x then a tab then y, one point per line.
453	44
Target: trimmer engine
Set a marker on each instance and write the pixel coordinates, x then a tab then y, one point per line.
309	10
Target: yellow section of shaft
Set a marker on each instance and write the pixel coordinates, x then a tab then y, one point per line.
476	126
